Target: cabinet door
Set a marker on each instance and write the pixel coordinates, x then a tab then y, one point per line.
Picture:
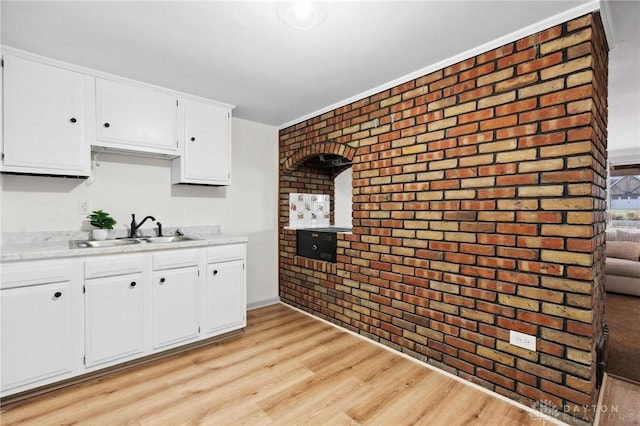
44	119
175	306
207	144
225	297
113	318
135	118
37	333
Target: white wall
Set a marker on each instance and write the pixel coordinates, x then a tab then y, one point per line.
624	104
343	193
251	206
125	184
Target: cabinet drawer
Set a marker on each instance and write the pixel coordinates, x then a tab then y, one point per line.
176	259
111	266
224	253
34	273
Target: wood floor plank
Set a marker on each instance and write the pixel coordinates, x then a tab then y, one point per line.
382	392
286	368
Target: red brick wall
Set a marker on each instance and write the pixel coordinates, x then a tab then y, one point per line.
478	208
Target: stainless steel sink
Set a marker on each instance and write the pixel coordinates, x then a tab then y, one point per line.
104	243
128	241
169	239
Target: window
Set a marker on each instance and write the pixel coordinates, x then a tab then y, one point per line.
624	196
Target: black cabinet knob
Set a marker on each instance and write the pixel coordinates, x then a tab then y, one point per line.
57	294
133	284
73	119
107	124
162	280
193	139
314	247
215	272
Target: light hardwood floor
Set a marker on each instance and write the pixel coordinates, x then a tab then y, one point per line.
288	368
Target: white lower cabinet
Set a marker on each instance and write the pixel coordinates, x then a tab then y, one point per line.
225	295
36	321
175	297
40	315
63	318
114	294
114	318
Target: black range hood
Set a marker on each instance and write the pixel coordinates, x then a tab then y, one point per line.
334	229
328	161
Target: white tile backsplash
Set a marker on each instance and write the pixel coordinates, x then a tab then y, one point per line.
309	210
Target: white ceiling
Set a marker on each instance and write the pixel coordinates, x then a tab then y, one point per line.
239	52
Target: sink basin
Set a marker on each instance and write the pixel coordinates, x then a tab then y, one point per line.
128	241
105	243
169	239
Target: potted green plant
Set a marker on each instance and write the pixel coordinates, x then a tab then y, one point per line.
103	222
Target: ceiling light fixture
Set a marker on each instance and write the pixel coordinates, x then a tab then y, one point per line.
302	14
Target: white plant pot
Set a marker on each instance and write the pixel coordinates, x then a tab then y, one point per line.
100	234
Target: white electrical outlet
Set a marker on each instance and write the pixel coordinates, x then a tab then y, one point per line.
84	207
522	340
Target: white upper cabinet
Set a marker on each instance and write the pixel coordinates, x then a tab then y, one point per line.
45	119
56	113
136	118
207	145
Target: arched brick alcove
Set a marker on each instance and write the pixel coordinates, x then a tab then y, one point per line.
301	155
298	175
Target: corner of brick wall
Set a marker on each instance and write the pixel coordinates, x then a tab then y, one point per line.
478	208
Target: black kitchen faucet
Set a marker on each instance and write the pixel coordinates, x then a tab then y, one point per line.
135	226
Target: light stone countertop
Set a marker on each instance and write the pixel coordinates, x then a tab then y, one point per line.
53	245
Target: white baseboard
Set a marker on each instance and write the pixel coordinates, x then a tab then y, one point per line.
263	303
